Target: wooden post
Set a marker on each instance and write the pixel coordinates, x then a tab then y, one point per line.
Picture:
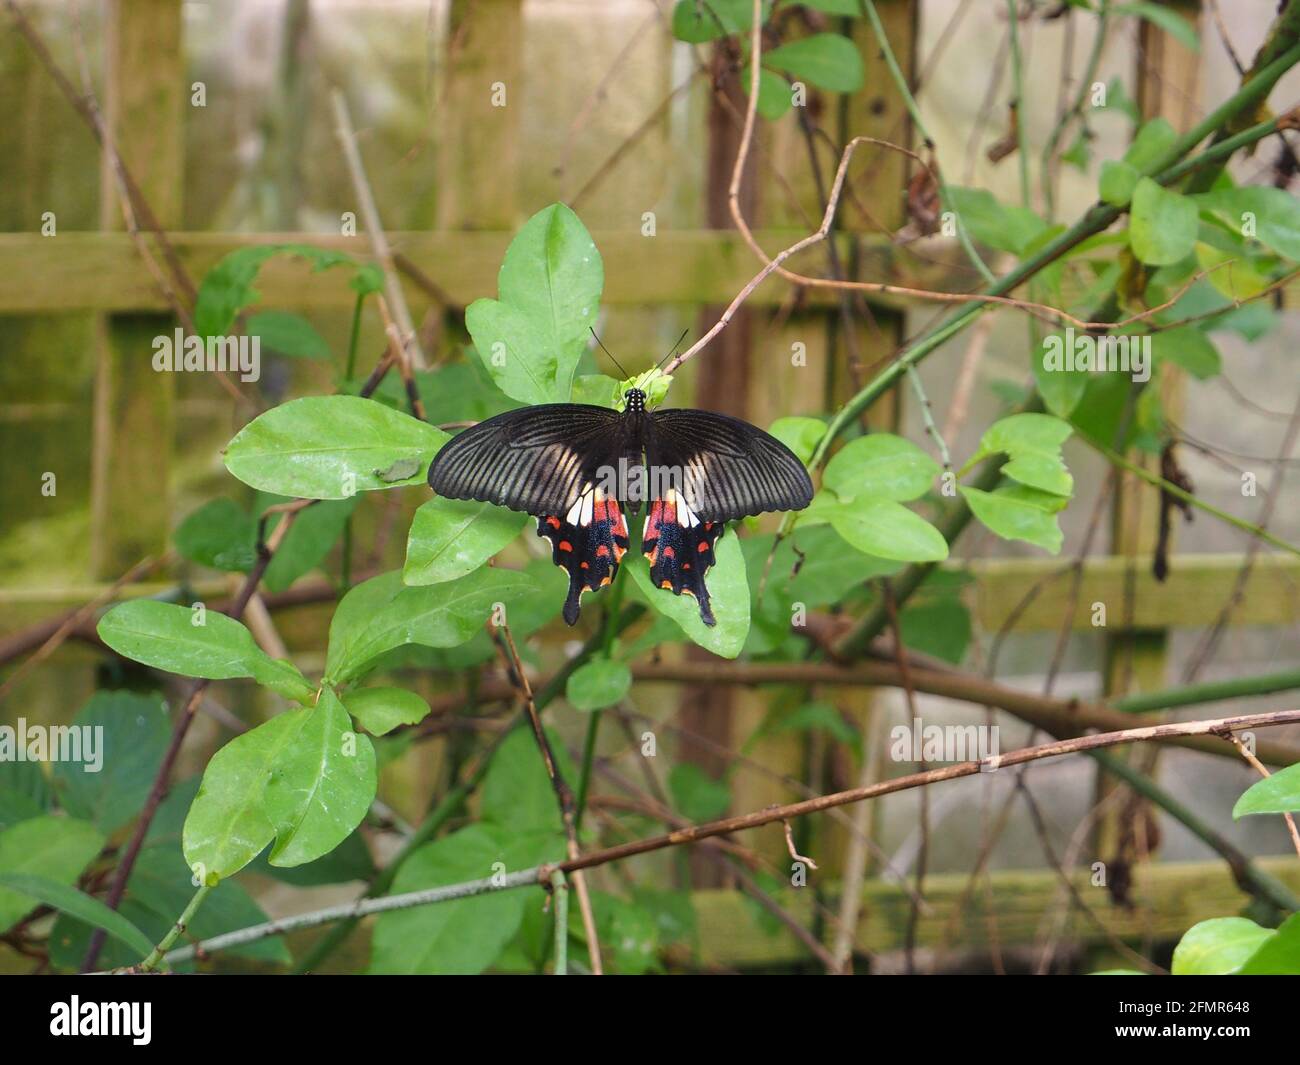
837	348
134	407
1168	87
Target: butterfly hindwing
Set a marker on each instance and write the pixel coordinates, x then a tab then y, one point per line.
588	542
679	547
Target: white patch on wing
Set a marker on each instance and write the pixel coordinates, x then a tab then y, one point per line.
580	513
686	517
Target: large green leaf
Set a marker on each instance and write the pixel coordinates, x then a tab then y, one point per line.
1277	794
531	338
462	937
1217	946
728	595
882	466
304	779
165	636
451	537
829	61
1162	224
1279	954
883	528
135	730
1032	443
331	447
55	848
382	613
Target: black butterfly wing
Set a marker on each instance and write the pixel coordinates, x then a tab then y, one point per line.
706	469
548	461
731	468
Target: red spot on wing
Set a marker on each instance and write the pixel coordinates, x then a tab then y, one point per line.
564	545
554	523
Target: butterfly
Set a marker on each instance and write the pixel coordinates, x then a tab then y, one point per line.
577	468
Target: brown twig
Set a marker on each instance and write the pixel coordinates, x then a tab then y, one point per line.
563	793
742	822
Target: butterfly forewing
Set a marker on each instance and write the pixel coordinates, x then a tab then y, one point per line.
729	468
537	459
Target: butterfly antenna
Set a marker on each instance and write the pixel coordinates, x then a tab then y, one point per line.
675	347
606	350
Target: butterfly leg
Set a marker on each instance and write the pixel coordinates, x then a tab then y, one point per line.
679	548
588	543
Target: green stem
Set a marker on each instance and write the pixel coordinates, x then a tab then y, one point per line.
155	956
1018	87
560	893
1209	692
354	336
1187	497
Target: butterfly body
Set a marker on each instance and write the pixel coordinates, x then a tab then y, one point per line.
579	468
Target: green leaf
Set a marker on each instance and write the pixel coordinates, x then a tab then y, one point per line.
880	465
1062	387
78	904
1162	224
941	627
330	447
304	779
596	684
775	96
380	710
991	223
517	792
56	848
886	529
851	8
1279	954
829	61
698	21
697	796
1117	181
451	537
462	937
1190	348
728	592
628	933
134	731
1232	275
597	390
288	334
1217	946
166	636
227	288
1278	794
1032	443
381	614
1166	19
818	717
1150	145
1276	215
531	338
1017	513
828	571
221	535
801	435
